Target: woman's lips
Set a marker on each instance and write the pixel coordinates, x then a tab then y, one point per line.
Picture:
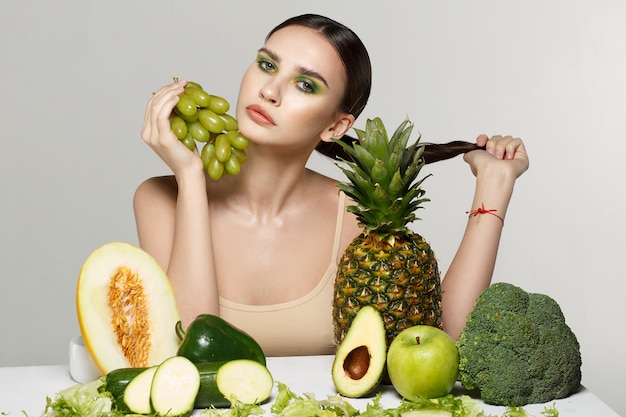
259	115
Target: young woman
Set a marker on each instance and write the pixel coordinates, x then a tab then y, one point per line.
260	248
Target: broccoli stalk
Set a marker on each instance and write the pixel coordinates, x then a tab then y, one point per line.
517	349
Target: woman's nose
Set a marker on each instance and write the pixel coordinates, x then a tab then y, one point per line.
270	93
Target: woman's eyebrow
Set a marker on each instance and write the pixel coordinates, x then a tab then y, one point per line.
271	54
302	70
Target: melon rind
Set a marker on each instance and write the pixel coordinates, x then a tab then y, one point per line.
92	305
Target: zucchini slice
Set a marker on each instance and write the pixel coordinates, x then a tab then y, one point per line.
245	380
137	393
174	387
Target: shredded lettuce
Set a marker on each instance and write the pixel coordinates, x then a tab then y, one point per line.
237	409
288	404
82	400
520	412
550	411
91	400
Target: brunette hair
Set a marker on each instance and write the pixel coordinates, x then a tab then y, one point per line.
356	62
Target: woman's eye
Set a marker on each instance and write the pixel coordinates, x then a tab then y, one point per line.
266	65
306	85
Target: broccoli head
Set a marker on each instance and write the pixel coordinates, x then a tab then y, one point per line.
517	349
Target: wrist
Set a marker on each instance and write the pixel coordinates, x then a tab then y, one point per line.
495	176
494	188
191	178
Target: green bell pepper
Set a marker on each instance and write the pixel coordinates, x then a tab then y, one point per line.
209	338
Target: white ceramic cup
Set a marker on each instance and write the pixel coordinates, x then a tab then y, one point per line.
82	368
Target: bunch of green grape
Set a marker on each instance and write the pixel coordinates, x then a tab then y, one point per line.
199	116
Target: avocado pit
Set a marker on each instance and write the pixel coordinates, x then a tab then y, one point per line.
357	362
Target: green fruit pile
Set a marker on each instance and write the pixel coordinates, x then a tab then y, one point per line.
199	116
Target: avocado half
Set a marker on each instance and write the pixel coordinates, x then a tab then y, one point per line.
360	358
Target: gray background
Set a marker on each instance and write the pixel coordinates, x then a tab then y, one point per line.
76	75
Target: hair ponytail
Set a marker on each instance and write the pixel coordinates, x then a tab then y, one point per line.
433	152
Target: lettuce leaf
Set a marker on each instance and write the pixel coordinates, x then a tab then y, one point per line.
288	404
237	409
82	400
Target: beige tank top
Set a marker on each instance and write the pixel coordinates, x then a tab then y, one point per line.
299	327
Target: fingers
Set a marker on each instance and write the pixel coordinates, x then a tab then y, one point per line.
502	147
505	152
158	111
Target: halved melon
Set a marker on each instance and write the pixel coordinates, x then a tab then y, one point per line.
126	308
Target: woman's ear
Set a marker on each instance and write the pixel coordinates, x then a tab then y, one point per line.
339	128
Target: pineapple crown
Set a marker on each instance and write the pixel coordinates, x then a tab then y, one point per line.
382	177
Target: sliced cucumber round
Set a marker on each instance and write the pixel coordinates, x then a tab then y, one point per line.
244	380
137	393
174	387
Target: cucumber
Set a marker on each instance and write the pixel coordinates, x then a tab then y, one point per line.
174	387
136	397
117	380
244	380
245	375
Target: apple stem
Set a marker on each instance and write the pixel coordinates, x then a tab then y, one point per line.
417	339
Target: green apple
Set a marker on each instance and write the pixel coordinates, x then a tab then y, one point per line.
422	361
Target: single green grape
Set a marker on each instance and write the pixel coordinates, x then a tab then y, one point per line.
232	165
230	123
219	105
179	127
189	142
194	85
222	148
237	140
201	97
186	105
211	121
208	152
198	131
191	118
215	168
240	154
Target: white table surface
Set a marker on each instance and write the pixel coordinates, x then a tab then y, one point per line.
24	389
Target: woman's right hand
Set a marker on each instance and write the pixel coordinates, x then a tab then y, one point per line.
157	133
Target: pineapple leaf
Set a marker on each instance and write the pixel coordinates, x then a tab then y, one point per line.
346	146
354	194
401	136
381	198
396	184
376	142
379	173
414	168
359	178
360	134
362	156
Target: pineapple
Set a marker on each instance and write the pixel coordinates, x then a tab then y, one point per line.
387	266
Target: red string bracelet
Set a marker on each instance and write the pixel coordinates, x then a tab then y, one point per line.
483	210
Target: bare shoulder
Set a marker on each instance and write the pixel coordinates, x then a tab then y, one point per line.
156	189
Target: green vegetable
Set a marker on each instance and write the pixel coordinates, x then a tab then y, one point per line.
220	382
211	339
174	387
520	412
82	400
136	395
517	349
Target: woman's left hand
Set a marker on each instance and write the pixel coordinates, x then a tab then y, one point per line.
503	152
